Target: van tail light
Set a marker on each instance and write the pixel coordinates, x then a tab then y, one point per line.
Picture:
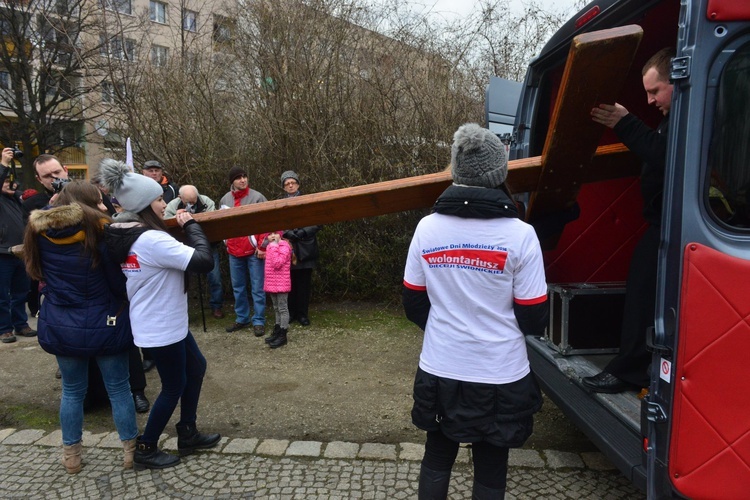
645	444
588	16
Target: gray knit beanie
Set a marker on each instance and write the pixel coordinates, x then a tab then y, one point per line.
289	174
134	192
478	157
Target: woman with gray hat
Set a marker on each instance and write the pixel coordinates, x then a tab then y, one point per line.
155	265
305	244
474	282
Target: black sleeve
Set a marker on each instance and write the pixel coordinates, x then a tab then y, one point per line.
202	260
416	305
532	319
648	144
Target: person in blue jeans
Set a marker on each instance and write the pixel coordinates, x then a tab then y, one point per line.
245	258
84	314
155	264
14	283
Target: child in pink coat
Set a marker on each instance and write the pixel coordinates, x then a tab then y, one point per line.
278	283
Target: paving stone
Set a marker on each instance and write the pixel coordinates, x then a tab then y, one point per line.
4	433
26	436
273	447
111	440
90	440
520	457
563	459
341	449
411	451
240	445
378	451
464	455
304	449
54	438
595	460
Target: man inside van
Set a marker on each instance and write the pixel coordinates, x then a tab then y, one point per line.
629	369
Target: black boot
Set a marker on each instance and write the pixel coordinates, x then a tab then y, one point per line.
274	335
280	340
149	456
433	484
481	492
189	439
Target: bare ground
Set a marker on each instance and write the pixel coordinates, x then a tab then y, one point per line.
347	377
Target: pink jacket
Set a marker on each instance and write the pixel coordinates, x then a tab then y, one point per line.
278	277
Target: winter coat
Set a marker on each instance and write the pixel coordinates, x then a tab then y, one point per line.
12	218
304	242
85	310
240	246
278	268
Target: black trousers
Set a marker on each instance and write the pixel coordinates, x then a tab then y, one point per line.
631	363
490	461
299	298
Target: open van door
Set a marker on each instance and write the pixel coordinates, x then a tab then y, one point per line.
501	103
699	433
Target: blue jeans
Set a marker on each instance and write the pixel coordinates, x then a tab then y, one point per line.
14	288
214	284
75	382
181	368
239	267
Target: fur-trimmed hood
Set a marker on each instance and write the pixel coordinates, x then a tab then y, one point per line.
56	218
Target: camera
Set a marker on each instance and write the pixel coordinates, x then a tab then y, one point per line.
17	153
59	184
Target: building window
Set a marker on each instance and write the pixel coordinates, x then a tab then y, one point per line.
159	55
222	29
158	12
5	82
117	47
112	94
190	20
121	6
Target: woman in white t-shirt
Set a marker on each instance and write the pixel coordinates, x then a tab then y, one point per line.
155	265
474	282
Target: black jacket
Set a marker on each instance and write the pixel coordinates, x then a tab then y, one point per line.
651	147
12	218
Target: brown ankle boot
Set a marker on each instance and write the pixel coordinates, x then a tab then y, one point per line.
129	449
72	458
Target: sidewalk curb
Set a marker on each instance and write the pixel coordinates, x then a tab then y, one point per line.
405	452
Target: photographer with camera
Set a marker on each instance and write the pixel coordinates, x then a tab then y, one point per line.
14	282
51	174
189	200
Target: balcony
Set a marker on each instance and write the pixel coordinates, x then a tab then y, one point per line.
72	156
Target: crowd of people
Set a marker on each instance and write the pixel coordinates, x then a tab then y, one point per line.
99	254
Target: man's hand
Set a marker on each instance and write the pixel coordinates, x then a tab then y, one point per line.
7	157
608	114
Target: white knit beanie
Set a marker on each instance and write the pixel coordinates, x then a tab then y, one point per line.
133	191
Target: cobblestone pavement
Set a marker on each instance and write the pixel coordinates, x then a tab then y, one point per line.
276	469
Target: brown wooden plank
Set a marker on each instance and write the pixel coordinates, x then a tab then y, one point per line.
594	73
381	198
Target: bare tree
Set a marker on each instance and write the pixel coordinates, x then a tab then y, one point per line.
42	84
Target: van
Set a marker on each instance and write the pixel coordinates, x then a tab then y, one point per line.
688	433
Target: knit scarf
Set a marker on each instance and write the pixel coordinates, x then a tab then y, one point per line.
238	195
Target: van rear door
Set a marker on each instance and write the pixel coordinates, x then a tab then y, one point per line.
699	432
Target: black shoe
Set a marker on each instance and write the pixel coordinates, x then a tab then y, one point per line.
280	340
606	383
148	365
259	330
189	439
274	335
304	321
142	404
149	456
237	326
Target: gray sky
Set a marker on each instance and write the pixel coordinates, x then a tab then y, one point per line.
463	7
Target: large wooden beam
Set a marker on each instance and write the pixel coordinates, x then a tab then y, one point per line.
382	198
594	73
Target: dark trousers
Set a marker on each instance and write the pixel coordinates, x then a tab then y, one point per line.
181	368
631	363
490	461
299	297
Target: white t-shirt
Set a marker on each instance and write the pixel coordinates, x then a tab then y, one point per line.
156	288
473	270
